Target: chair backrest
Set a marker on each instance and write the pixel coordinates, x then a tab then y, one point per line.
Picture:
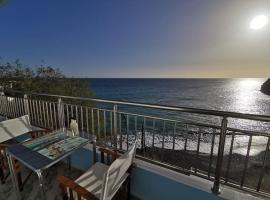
113	177
14	127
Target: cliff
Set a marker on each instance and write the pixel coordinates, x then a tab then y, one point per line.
266	87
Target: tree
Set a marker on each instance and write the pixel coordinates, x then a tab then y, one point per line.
3	2
41	79
49	80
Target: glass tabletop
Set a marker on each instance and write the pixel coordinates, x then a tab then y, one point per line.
44	151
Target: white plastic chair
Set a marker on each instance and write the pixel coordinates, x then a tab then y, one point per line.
14	127
100	182
10	129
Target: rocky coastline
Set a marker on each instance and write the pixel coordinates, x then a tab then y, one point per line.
265	88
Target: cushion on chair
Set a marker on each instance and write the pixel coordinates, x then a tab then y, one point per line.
116	173
92	179
104	181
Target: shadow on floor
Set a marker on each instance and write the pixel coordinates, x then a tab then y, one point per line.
31	189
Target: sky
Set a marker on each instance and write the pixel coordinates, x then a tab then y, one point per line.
138	38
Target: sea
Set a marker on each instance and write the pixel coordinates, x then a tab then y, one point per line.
240	95
236	95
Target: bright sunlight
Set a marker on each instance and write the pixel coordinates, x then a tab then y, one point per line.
258	22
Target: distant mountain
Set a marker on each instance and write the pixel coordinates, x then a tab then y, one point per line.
266	87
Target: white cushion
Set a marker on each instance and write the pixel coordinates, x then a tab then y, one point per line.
116	174
92	179
104	181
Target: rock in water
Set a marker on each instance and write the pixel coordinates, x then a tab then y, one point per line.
266	87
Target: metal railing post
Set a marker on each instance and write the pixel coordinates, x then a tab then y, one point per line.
94	148
143	138
222	137
115	126
60	113
26	105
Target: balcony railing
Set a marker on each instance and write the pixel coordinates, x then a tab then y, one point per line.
225	147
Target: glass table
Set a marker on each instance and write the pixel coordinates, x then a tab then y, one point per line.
41	153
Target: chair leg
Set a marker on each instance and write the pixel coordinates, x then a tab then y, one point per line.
65	197
128	188
2	176
17	169
19	179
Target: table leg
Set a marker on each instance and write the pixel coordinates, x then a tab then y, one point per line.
13	176
41	184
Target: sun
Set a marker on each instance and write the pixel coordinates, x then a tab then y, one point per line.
258	22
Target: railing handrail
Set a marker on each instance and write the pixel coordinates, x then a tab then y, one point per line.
218	113
115	126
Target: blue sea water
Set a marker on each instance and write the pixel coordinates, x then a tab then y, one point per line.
237	95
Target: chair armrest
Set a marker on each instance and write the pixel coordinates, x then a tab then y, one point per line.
38	133
109	152
67	182
41	131
3	160
3	146
71	185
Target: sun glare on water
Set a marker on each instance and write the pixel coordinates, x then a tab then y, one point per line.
245	95
249	84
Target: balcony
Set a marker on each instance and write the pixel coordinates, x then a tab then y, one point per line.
183	153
